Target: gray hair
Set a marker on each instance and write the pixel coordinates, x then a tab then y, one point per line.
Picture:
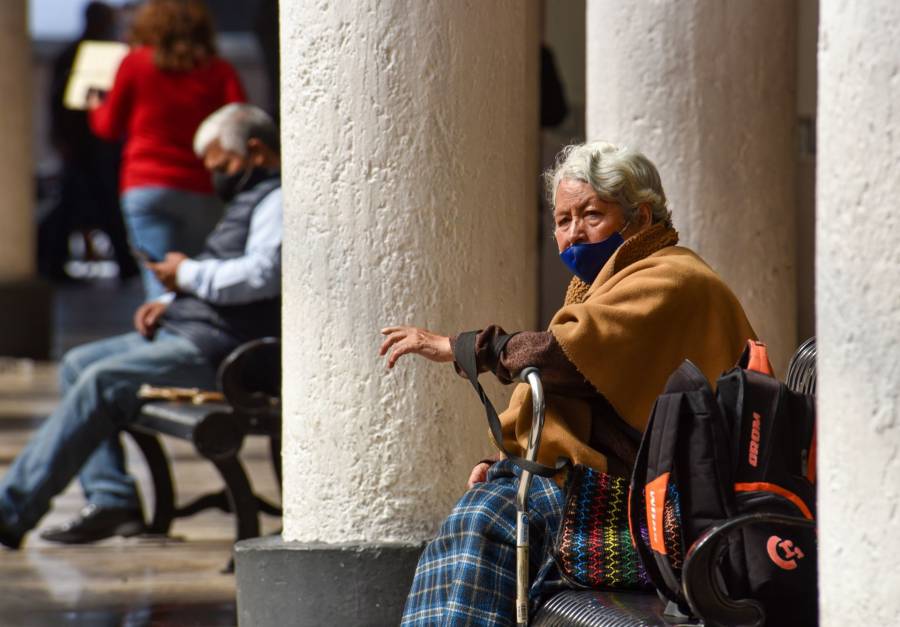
618	175
234	125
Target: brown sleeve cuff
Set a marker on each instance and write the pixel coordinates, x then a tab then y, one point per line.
489	345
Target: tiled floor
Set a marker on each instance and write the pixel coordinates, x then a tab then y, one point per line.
120	582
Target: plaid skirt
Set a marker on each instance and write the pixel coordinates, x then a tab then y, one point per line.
467	574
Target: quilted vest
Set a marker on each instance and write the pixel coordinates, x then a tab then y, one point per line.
218	329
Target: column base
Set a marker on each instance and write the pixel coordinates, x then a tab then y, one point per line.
321	584
26	319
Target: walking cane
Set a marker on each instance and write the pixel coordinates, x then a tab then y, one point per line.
532	377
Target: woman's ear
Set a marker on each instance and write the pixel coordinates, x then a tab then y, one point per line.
645	215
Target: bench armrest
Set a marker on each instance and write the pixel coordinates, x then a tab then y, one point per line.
250	377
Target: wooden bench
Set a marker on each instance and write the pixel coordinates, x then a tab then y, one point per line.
249	379
598	608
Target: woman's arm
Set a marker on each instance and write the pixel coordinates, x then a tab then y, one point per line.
495	351
507	355
109	120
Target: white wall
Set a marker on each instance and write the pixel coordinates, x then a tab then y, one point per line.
858	312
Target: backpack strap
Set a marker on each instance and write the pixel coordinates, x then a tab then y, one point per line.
686	404
756	357
637	511
465	358
647	499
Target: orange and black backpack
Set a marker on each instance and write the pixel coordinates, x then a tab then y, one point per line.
712	461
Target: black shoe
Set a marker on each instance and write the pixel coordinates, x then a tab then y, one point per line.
9	539
96	523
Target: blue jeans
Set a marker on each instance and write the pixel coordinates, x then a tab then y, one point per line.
100	383
161	220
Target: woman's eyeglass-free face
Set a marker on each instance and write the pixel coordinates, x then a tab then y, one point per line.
582	217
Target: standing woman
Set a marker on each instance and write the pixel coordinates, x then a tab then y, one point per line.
169	82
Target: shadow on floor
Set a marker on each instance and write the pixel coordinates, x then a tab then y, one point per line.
180	615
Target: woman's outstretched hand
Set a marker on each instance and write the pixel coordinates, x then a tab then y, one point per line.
403	340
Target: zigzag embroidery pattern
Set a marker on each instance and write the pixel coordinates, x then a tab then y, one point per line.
672	528
595	547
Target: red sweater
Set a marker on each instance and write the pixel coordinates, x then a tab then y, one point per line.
158	113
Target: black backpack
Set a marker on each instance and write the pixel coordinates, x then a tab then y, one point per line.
739	466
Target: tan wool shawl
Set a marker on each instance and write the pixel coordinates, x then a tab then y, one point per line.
652	306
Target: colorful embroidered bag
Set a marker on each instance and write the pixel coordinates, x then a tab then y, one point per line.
594	548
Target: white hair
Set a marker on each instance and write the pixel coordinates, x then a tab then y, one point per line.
233	125
618	175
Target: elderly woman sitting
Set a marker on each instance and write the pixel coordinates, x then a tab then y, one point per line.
637	307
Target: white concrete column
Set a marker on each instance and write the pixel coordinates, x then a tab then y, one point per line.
410	177
705	89
858	312
26	328
16	204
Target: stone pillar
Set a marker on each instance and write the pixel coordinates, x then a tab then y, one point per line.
410	176
24	327
858	313
706	90
16	223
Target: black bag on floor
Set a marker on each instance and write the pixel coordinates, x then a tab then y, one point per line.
747	447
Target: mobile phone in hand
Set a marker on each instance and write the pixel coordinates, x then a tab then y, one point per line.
143	255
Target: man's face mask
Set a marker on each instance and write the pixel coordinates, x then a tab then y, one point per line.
586	260
227	186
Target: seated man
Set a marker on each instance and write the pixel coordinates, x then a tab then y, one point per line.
227	295
638	306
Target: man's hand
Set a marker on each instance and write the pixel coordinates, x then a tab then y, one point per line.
146	318
167	269
417	341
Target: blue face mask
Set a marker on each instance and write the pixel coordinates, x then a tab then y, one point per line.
586	260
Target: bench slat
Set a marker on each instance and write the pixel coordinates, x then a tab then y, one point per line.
176	419
595	608
186	414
